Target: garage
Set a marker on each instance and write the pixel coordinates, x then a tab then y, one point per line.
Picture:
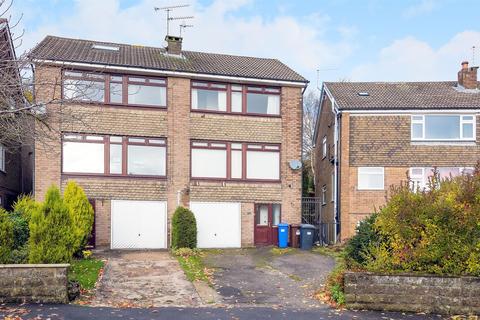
139	224
218	224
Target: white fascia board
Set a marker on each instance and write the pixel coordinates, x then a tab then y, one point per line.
410	111
171	73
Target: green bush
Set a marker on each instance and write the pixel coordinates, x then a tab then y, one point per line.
20	230
24	206
81	213
6	236
435	231
19	255
357	249
52	238
184	229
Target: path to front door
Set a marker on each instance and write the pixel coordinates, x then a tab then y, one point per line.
143	279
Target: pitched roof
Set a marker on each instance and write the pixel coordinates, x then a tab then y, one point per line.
402	95
77	50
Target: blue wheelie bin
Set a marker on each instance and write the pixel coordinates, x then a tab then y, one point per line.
283	235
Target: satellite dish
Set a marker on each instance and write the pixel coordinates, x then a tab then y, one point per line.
295	164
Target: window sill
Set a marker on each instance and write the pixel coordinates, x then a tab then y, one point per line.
443	143
89	175
233	180
116	105
236	113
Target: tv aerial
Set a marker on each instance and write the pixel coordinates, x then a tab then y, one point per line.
184	26
171	8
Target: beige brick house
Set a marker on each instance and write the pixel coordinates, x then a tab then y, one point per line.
163	127
372	135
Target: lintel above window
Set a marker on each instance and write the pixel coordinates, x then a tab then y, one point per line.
443	127
235	98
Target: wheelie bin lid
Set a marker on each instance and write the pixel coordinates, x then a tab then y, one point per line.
307	226
282	225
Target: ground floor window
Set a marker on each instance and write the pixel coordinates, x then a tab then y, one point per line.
420	177
113	155
371	178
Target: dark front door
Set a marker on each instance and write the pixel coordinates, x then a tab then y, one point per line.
266	217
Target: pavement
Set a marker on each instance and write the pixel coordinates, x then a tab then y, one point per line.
76	312
143	279
269	278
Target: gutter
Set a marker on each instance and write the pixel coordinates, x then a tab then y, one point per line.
170	73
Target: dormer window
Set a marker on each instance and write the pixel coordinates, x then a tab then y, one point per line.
443	127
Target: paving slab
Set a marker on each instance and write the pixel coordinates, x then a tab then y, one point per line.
143	279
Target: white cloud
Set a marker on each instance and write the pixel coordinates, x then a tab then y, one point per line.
410	59
297	41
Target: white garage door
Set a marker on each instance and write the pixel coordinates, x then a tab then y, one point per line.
139	224
218	224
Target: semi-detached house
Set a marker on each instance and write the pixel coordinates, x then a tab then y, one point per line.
372	135
163	127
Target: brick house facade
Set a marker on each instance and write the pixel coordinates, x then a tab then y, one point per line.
392	133
181	127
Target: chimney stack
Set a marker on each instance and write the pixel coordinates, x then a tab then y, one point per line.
174	45
467	76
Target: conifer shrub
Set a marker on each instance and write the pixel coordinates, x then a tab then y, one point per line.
81	213
184	229
6	236
52	234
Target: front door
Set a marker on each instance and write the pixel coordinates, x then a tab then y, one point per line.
267	216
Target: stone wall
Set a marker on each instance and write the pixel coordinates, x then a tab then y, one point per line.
33	283
413	293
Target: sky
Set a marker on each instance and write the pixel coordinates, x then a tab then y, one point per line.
323	40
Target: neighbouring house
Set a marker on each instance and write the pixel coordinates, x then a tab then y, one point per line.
16	160
372	135
163	127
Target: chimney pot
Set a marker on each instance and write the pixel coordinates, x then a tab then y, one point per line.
174	45
465	65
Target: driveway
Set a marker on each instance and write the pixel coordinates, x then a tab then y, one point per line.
259	277
143	279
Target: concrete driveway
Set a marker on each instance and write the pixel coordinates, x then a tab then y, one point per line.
258	277
143	279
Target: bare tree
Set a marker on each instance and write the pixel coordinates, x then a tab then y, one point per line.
24	116
311	104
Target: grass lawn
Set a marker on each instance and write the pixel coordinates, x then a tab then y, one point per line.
192	264
85	271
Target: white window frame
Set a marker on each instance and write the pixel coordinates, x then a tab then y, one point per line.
2	158
360	184
324	147
324	195
420	180
463	121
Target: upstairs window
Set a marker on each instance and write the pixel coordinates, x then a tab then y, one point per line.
370	178
235	161
443	127
235	98
113	155
115	89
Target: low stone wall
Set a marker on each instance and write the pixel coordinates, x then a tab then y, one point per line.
413	293
33	283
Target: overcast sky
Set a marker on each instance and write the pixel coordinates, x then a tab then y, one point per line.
356	40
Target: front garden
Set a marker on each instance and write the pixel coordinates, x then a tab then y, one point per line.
433	232
53	231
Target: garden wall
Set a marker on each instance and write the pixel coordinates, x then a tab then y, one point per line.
33	283
414	293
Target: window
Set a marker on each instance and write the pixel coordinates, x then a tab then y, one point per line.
268	214
234	98
113	155
324	195
324	147
370	178
2	158
443	127
235	161
115	89
420	177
